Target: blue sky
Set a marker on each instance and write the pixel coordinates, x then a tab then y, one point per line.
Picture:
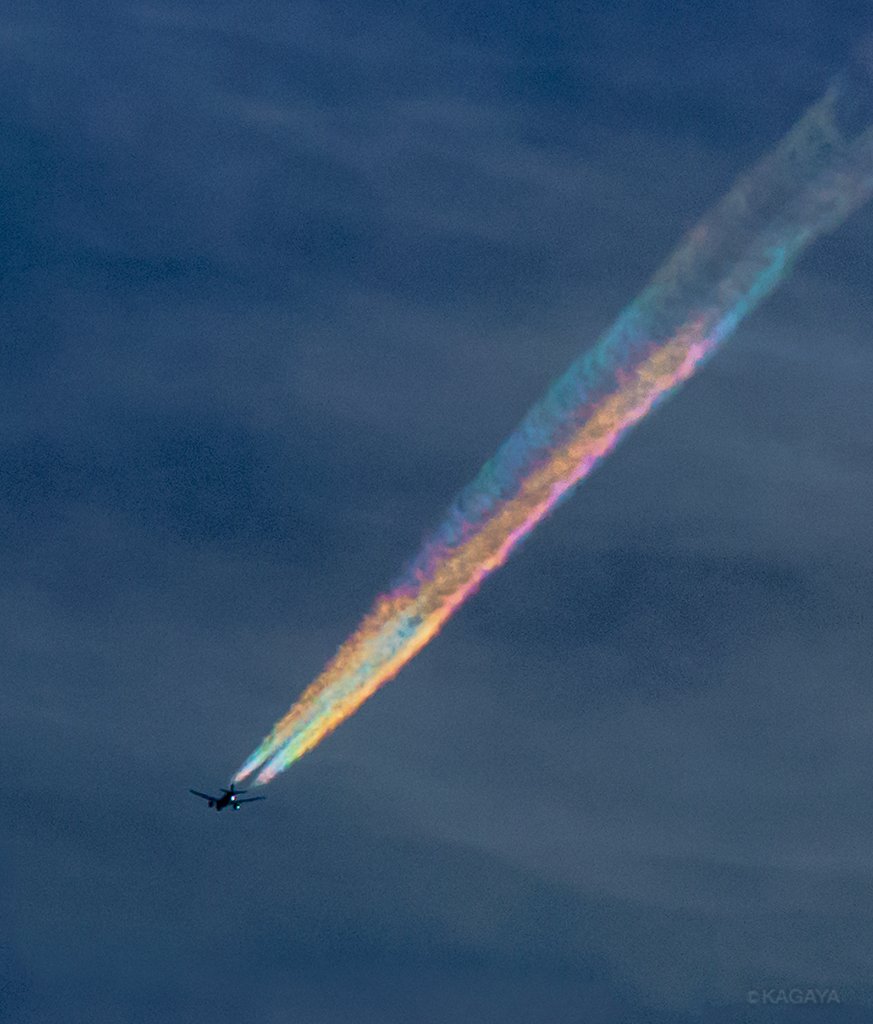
277	279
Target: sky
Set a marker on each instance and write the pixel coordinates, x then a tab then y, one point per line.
277	278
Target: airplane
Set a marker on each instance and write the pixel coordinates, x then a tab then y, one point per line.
230	798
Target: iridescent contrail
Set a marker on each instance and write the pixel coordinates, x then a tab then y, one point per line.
739	252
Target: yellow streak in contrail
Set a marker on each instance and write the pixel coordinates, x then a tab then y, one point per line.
739	252
380	647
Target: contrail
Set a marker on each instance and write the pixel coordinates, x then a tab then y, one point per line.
820	172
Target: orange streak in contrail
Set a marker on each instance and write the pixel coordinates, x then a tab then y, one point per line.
807	185
368	658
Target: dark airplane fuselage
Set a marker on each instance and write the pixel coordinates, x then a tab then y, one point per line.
225	800
229	798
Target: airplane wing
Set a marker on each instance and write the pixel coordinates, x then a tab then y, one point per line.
250	799
205	796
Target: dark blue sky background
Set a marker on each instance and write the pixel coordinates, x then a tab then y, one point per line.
276	279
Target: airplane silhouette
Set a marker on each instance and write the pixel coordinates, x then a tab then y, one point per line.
230	798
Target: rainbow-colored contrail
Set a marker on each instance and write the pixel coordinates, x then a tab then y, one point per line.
739	252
